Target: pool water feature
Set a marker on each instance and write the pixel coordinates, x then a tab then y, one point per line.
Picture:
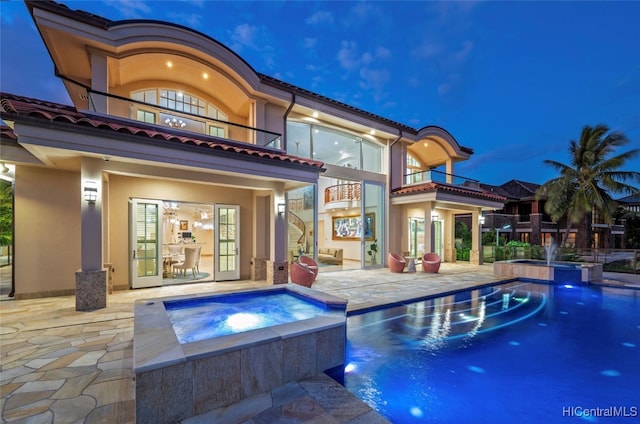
557	272
183	369
520	352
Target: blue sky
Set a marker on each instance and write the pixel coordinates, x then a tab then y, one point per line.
514	81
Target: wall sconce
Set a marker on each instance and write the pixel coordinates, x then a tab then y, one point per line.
281	208
90	191
481	219
434	216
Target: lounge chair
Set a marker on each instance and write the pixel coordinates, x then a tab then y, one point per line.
396	262
301	274
431	263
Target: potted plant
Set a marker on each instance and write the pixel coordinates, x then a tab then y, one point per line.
373	251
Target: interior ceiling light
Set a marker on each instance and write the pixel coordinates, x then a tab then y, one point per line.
372	132
205	75
315	114
169	64
426	144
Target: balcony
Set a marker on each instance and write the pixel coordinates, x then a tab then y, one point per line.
440	177
169	119
342	195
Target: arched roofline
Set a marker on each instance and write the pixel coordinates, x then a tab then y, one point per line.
431	131
121	34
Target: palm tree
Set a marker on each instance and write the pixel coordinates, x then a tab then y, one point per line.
594	174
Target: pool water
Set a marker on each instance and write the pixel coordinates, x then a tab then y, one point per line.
210	317
521	352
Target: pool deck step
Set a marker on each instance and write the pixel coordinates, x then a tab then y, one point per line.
317	399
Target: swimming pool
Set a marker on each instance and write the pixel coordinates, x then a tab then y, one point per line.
519	352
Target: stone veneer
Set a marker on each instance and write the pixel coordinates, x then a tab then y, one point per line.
258	269
176	381
277	272
91	290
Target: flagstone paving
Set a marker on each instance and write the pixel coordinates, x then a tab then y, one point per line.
64	366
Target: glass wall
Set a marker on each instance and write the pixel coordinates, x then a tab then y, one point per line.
334	146
374	217
301	218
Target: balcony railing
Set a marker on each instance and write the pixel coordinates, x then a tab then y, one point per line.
440	177
342	193
109	104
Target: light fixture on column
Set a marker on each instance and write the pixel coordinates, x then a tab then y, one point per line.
281	208
481	219
90	191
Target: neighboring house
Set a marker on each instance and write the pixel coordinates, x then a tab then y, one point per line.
174	140
523	218
631	204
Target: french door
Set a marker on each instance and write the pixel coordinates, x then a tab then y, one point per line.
227	242
145	253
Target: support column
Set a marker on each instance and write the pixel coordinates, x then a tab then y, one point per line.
91	279
449	237
475	256
428	230
277	266
99	82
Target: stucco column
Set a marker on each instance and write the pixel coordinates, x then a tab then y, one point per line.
277	267
475	256
99	82
449	226
428	228
91	279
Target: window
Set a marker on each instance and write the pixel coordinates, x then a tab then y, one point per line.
180	102
414	169
216	131
333	146
146	116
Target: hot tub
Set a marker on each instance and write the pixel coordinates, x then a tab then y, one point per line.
194	354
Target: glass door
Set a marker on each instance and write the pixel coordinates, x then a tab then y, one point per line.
145	241
373	234
437	237
416	237
227	242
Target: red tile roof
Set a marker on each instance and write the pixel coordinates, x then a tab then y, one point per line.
433	187
14	107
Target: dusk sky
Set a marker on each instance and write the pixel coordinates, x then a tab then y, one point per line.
514	81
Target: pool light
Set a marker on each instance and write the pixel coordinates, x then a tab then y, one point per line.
243	321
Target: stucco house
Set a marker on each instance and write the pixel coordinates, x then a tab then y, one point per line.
174	140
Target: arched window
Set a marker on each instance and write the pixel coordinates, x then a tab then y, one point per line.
181	102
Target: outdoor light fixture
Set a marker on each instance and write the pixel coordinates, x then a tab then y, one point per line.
281	208
481	219
5	168
90	191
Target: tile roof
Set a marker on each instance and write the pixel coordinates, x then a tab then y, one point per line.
104	23
435	187
13	107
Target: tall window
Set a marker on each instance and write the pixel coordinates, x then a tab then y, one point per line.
333	146
414	167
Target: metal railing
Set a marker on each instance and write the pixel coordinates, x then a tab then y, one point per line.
182	121
440	177
342	193
174	120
